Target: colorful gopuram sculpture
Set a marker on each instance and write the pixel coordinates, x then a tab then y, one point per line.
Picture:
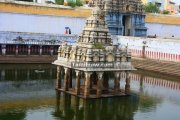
124	17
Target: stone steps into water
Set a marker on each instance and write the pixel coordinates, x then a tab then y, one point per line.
172	68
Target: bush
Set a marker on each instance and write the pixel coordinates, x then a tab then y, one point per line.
59	2
79	3
71	3
165	12
151	8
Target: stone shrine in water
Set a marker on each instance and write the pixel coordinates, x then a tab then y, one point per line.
93	59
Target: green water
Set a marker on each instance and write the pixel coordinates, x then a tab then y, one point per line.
29	95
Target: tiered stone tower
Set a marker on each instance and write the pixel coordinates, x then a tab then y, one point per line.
94	57
124	17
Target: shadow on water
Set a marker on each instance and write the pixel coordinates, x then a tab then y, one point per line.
20	72
12	116
73	108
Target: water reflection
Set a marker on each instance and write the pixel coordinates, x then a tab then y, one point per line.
27	95
20	81
155	81
26	72
12	116
70	107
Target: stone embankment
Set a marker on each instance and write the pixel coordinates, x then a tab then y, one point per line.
165	67
27	59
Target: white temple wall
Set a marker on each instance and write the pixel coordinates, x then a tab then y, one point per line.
163	30
40	23
56	24
155	48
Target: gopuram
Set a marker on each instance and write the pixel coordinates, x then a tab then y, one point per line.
93	59
124	17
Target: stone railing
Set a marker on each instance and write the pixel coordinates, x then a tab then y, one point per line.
36	38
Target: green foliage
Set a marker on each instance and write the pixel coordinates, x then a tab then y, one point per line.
165	12
71	3
151	8
49	2
98	46
59	2
79	3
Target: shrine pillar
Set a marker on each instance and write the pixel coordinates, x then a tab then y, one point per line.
70	78
116	82
58	79
99	84
66	70
77	87
87	84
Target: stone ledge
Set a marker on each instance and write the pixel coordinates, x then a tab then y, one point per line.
27	59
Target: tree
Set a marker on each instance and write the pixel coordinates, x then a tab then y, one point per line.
79	3
71	3
59	2
151	8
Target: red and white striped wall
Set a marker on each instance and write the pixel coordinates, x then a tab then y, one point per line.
156	55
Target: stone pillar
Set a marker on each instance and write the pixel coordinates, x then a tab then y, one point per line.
77	87
116	83
87	84
144	49
121	24
132	30
3	47
51	50
16	52
99	84
58	79
127	86
29	49
70	78
66	70
40	50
